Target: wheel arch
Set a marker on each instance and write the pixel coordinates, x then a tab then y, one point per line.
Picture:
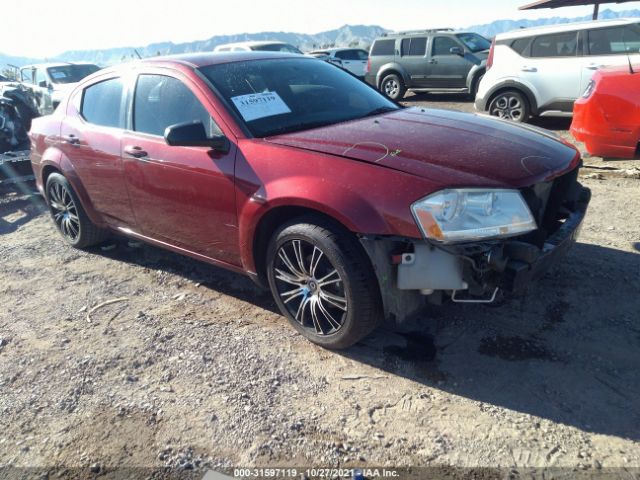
390	69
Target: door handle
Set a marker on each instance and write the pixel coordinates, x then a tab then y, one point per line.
71	139
135	151
529	69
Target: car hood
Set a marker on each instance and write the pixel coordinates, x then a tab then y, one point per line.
445	147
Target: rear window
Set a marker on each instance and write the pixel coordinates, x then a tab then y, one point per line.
612	41
71	73
557	45
102	103
383	47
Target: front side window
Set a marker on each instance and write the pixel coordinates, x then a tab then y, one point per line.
612	41
41	79
443	46
161	101
26	75
383	47
278	96
557	45
102	103
474	42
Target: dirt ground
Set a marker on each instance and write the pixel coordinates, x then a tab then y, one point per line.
191	367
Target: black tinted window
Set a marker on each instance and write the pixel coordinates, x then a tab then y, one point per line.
557	45
162	101
418	47
443	45
102	103
352	55
520	45
609	41
383	47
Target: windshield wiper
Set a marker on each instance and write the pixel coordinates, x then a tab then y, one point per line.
380	110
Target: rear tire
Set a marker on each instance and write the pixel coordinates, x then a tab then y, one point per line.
68	215
510	105
393	87
323	282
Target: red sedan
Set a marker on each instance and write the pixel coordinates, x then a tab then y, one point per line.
347	206
607	117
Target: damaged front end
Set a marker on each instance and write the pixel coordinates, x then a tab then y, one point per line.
18	106
476	271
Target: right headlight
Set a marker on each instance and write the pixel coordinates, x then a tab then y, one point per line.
589	90
470	214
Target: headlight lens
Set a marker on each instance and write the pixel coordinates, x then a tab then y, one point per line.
463	215
589	90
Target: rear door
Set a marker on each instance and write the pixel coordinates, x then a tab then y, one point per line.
183	196
554	69
608	47
413	53
91	133
446	69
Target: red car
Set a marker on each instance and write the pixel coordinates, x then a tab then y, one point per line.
287	169
607	117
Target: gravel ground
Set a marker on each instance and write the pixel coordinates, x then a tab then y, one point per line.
129	356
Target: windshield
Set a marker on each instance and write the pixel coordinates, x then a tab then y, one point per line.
71	73
277	47
474	42
277	96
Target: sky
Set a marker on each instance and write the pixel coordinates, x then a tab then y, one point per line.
57	26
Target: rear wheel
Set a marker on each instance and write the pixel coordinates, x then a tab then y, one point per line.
323	283
510	105
70	218
393	87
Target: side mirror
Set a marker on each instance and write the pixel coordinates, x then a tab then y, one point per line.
193	134
43	84
456	51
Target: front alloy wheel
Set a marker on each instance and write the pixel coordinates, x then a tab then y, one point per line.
310	287
323	282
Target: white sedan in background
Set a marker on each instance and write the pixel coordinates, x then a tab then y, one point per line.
353	60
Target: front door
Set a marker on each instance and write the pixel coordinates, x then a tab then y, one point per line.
183	196
446	69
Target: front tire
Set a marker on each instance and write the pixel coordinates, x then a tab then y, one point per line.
510	105
323	282
67	213
393	87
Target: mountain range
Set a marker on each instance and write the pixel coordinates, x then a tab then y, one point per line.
347	35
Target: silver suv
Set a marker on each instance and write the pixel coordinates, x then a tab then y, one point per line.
438	60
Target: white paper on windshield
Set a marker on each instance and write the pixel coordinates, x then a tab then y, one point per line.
58	75
260	105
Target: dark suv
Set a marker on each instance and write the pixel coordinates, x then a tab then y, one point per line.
438	60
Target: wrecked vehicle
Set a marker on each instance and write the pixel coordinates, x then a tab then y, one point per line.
50	82
349	207
18	106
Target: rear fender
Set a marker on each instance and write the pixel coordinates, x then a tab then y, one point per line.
392	67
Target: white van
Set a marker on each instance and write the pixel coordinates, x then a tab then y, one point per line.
542	71
263	46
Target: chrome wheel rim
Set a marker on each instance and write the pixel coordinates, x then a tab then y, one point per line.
508	107
310	287
391	87
64	211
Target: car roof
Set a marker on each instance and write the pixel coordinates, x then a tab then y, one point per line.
254	43
203	59
421	33
566	27
333	50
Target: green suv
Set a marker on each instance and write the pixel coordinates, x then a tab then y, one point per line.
439	60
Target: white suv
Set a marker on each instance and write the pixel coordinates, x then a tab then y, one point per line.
542	71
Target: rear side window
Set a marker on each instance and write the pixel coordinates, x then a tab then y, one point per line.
520	46
161	101
557	45
102	103
414	47
443	46
611	41
383	47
